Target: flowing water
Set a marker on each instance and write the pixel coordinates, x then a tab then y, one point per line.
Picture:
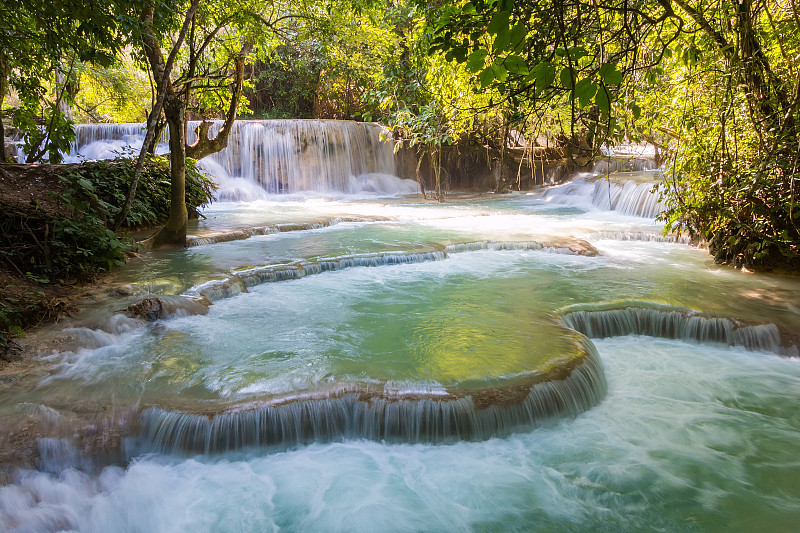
346	358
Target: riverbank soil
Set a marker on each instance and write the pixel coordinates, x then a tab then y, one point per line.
28	196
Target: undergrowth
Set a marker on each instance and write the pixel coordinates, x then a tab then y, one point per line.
66	237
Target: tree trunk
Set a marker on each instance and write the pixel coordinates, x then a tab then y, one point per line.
3	89
174	232
204	146
420	157
436	161
161	70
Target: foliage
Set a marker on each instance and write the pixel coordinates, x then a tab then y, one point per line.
717	83
285	83
559	63
74	241
736	135
40	44
714	86
117	93
102	185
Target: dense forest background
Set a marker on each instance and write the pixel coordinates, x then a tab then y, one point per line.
713	85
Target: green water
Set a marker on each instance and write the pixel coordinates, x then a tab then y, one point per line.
690	437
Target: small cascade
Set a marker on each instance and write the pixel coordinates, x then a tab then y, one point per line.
641	236
218	289
667	322
107	141
239	280
246	233
272	273
379	418
576	248
57	455
629	199
623	164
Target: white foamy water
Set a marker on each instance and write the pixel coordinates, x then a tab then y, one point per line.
267	157
676	445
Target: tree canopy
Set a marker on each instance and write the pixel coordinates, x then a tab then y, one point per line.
714	86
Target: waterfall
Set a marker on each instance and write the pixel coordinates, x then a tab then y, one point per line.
676	323
292	156
271	156
629	198
640	236
107	141
382	418
637	199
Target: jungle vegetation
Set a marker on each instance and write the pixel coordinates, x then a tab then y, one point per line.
714	85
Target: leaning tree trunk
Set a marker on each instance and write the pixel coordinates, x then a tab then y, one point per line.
4	68
174	232
420	181
161	73
436	161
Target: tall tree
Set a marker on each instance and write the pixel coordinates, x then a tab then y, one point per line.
735	182
210	44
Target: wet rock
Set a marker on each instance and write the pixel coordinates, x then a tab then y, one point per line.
149	309
155	308
124	290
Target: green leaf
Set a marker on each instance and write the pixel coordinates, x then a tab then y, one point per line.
486	77
545	75
500	72
476	60
516	65
585	90
577	52
499	23
602	100
518	34
610	75
502	40
566	77
460	53
637	111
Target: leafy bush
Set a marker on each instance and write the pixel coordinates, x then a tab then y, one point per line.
94	192
104	185
67	237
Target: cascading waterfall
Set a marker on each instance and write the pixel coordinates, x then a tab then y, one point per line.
323	156
107	141
628	198
381	418
667	322
271	156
